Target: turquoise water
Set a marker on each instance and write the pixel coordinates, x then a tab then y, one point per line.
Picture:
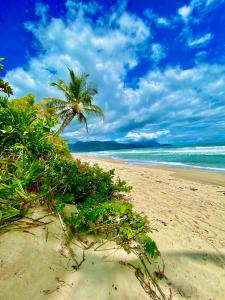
210	158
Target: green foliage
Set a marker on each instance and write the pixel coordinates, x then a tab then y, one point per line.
115	220
22	125
1	66
41	164
4	86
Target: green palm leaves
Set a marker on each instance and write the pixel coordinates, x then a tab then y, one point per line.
1	66
78	100
4	86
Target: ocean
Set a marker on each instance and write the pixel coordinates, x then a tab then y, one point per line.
211	158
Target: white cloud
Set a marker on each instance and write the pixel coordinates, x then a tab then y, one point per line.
76	135
201	41
201	8
142	136
185	12
203	5
161	21
158	20
195	13
41	9
158	53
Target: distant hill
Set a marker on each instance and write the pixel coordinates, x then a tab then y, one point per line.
110	145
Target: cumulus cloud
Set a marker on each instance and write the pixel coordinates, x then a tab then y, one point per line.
170	102
185	12
137	136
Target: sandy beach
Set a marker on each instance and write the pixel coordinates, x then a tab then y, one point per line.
186	210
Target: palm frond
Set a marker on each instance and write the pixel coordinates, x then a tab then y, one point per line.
62	86
55	101
92	91
3	101
65	113
53	84
74	85
84	77
86	99
94	109
72	74
83	82
5	88
82	119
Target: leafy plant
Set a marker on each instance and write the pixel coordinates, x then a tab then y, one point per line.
113	219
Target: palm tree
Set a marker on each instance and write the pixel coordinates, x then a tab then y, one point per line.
78	100
4	86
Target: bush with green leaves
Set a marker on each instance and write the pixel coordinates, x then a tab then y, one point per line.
34	167
114	220
41	163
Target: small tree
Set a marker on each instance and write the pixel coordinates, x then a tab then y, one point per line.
78	100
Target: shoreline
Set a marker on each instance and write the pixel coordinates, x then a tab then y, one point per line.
204	162
196	175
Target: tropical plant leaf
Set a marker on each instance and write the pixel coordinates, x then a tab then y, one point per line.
55	101
5	88
94	109
82	119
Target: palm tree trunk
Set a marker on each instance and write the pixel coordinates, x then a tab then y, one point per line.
65	123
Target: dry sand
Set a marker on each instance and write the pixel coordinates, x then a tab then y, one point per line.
36	265
187	211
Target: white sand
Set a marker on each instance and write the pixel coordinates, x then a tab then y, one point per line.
33	268
189	217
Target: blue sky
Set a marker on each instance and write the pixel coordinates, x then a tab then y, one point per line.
159	65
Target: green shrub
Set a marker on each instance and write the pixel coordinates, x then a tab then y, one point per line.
42	164
115	220
36	167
